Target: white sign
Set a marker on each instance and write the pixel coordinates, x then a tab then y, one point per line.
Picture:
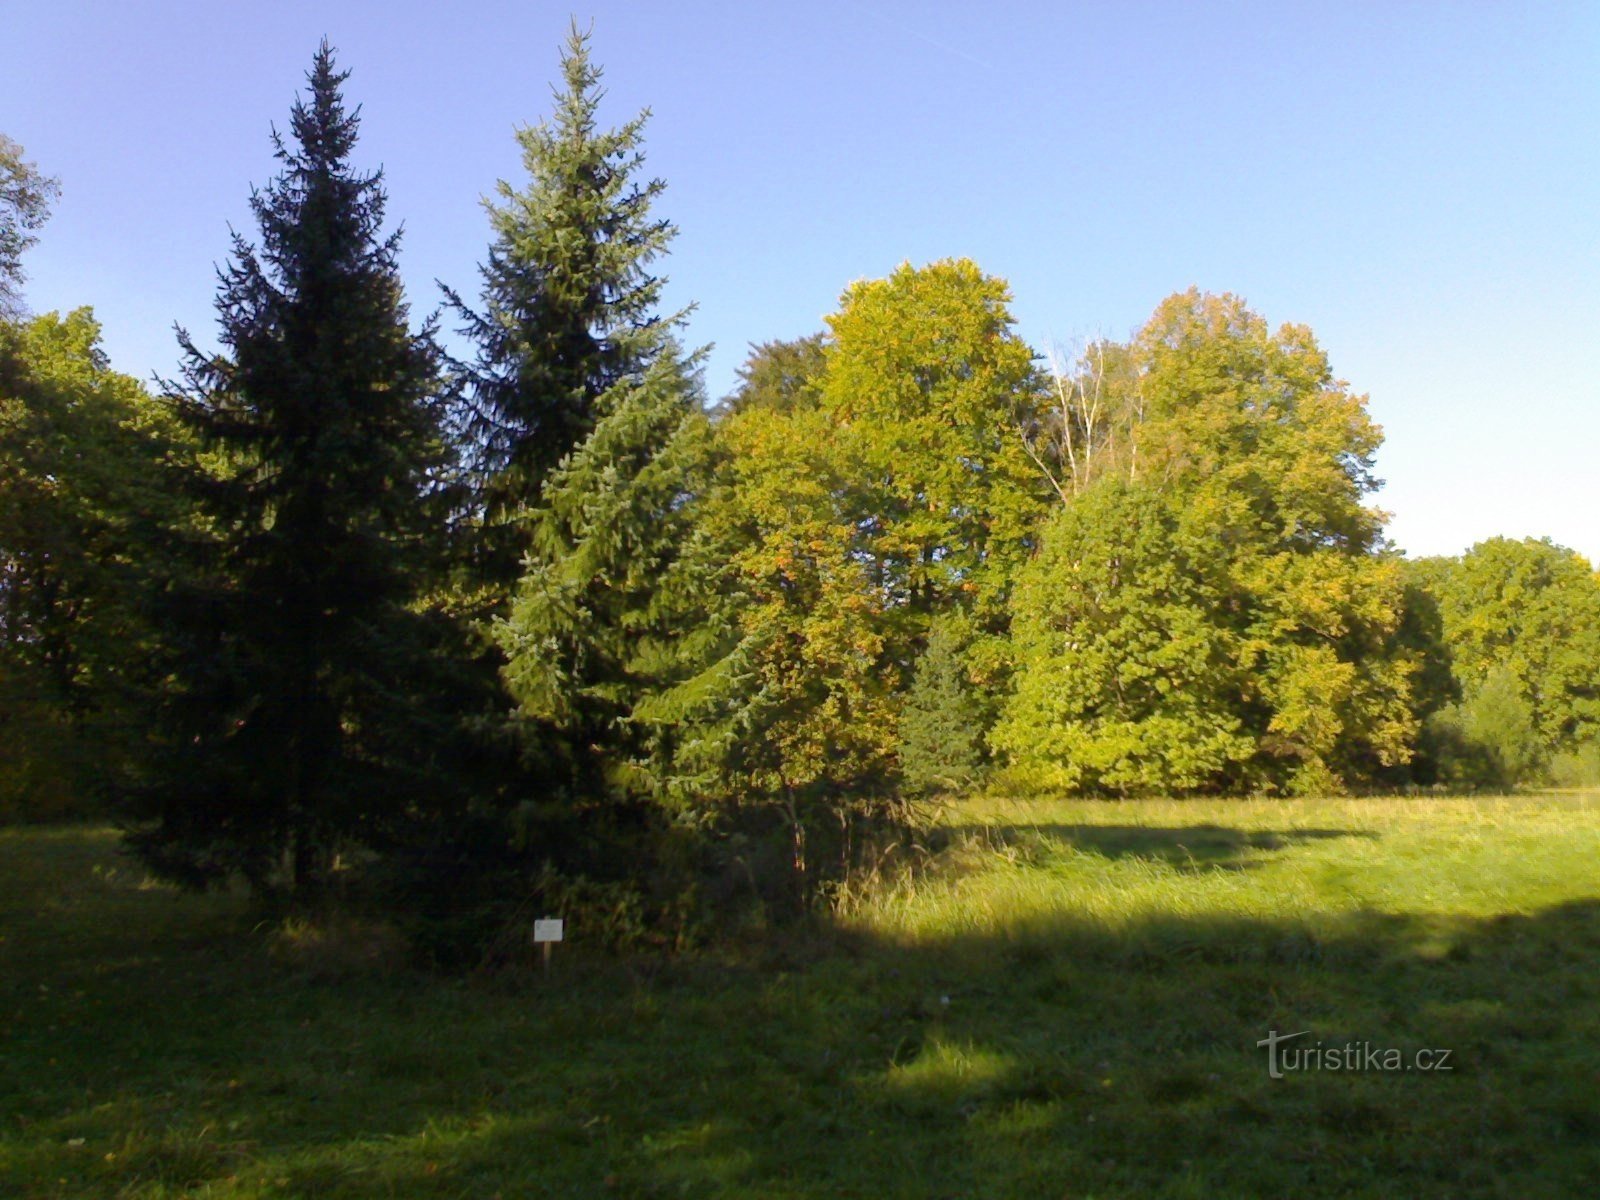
548	930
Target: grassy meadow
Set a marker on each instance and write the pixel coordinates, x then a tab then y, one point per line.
1064	1002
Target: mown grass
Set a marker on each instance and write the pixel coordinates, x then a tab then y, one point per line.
1064	1003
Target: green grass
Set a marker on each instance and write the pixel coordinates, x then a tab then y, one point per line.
1065	1003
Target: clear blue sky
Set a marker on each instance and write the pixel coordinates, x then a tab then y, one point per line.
1418	182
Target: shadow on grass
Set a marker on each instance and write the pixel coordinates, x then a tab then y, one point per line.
1061	1059
1186	847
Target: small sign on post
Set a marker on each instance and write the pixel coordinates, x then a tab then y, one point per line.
546	933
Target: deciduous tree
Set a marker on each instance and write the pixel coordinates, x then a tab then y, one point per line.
25	196
1228	618
82	505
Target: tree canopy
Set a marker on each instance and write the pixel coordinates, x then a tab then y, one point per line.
25	196
1215	613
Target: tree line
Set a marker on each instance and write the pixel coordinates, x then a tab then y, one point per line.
533	627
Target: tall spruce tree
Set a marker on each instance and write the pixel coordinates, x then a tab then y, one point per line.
296	722
608	586
569	307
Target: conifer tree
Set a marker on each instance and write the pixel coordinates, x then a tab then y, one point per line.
941	724
569	307
296	722
608	587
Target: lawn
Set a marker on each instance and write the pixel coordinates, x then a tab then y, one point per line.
1065	1002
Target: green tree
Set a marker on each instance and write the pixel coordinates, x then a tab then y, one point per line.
82	499
569	306
941	722
872	481
1522	617
25	197
1221	615
1534	608
298	720
926	387
606	582
780	376
1127	681
1488	739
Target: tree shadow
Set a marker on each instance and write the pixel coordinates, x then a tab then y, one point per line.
1073	1060
1059	1057
1185	848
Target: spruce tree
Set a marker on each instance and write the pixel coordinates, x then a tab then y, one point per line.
609	587
297	718
941	723
568	307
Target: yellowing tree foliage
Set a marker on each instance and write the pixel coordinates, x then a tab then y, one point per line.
1217	612
855	510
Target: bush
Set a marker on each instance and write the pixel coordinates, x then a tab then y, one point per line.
1487	740
1578	767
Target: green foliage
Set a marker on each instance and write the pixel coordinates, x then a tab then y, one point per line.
580	420
926	388
299	717
1530	609
1214	613
605	578
1578	767
1128	680
941	722
1488	740
597	454
780	376
25	197
560	636
81	497
1513	635
569	307
872	480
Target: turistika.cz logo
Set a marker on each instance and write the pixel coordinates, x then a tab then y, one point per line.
1284	1058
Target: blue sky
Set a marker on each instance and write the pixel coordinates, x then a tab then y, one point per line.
1418	182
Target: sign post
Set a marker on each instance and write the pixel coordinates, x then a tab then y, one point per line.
546	933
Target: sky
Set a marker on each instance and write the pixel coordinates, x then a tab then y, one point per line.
1417	182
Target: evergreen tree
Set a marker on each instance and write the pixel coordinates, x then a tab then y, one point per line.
297	720
569	307
941	725
607	586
